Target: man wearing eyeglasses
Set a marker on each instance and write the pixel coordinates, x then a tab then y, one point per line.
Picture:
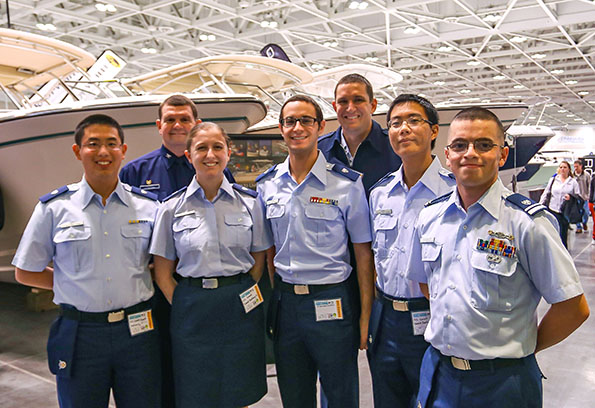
400	311
96	233
485	257
313	207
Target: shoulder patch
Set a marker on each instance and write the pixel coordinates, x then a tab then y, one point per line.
446	173
244	190
143	193
437	200
344	171
526	204
270	172
175	193
53	194
383	181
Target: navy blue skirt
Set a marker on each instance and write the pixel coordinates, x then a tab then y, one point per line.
218	348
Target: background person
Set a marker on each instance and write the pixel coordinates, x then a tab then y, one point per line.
485	257
556	192
583	181
217	234
96	233
395	342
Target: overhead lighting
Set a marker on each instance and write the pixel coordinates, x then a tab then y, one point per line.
412	30
570	115
331	44
46	27
499	77
518	86
571	82
593	101
557	71
148	50
518	39
405	71
269	24
562	111
109	8
473	63
583	93
406	59
444	48
358	5
539	56
578	119
371	59
243	4
212	37
492	18
485	101
347	34
439	83
465	91
317	66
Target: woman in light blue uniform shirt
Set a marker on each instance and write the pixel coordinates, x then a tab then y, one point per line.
215	231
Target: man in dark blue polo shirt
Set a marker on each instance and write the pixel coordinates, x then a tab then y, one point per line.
164	171
359	142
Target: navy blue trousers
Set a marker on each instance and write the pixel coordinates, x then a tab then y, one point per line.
395	358
304	347
443	386
107	357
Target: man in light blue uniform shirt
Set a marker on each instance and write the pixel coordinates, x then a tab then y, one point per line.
485	257
400	311
97	234
313	208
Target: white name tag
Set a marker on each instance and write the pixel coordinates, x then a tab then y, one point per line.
185	213
251	298
140	322
329	309
420	320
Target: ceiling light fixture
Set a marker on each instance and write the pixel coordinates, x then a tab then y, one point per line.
317	66
518	39
492	18
583	93
46	27
331	44
371	59
243	4
538	56
269	24
444	48
562	111
518	86
405	71
473	63
412	30
557	71
358	5
499	77
465	91
571	82
106	8
148	50
439	83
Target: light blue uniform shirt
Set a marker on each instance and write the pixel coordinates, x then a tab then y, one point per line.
210	238
312	221
393	210
100	253
484	305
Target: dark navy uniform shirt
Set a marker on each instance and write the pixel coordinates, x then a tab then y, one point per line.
161	172
374	158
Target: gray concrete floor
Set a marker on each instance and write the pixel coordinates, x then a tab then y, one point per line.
25	381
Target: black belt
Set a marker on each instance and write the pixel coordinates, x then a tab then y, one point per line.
493	364
303	289
113	316
213	283
403	304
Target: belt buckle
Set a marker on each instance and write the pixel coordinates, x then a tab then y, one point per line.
301	289
210	283
460	363
400	305
113	317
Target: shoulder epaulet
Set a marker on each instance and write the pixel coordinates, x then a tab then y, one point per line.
344	171
323	137
526	204
270	172
383	181
244	190
437	200
144	193
53	194
446	173
175	193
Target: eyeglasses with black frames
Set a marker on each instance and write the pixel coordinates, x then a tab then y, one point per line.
413	121
108	145
290	121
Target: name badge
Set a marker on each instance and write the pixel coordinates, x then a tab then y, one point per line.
384	211
420	320
329	309
251	298
150	186
140	322
184	213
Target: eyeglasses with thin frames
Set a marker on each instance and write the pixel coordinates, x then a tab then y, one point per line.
479	145
290	121
413	121
95	146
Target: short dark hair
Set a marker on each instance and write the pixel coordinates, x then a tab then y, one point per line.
429	109
97	119
178	100
307	99
479	113
580	163
204	126
356	79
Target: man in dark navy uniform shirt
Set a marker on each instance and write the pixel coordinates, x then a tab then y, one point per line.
164	171
359	142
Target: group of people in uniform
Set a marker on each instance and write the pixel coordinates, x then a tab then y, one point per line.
369	243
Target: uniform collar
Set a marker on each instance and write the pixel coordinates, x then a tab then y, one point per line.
431	178
318	170
490	201
171	159
85	193
194	187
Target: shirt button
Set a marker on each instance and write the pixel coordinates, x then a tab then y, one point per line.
105	211
141	231
448	346
71	235
105	233
465	227
109	279
452	287
449	317
492	265
109	302
108	255
473	303
458	257
406	225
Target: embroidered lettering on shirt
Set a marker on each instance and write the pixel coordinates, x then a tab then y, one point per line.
496	247
327	201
